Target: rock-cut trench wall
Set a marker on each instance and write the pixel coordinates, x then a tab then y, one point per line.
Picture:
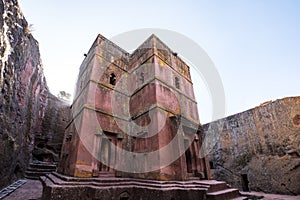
24	98
259	149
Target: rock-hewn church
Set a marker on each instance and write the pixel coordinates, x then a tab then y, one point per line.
135	131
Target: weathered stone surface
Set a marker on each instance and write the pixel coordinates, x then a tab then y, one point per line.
48	142
134	115
56	186
32	189
23	92
30	117
261	145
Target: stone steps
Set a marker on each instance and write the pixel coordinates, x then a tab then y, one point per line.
40	169
215	186
43	165
239	198
110	182
106	174
35	170
191	176
230	193
199	189
218	190
111	187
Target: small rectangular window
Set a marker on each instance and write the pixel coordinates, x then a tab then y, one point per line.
177	85
112	79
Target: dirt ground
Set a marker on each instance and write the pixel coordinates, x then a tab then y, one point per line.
33	190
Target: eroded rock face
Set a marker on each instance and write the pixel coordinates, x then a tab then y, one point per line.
48	142
23	92
259	149
27	110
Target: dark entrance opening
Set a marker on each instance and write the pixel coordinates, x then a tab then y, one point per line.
245	183
188	157
105	155
211	165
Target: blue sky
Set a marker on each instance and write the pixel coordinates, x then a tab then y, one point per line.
254	44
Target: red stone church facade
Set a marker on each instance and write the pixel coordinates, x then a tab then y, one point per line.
128	106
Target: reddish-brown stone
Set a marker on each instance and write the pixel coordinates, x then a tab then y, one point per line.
150	88
23	92
32	121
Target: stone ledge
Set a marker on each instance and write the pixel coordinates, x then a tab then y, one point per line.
57	186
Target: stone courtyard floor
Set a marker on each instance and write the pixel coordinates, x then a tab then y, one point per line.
271	196
33	190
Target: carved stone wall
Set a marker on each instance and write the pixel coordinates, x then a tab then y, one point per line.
30	117
127	106
259	149
48	143
23	92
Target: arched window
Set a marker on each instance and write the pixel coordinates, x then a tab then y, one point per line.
177	83
112	79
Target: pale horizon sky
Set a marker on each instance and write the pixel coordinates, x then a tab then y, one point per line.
255	45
